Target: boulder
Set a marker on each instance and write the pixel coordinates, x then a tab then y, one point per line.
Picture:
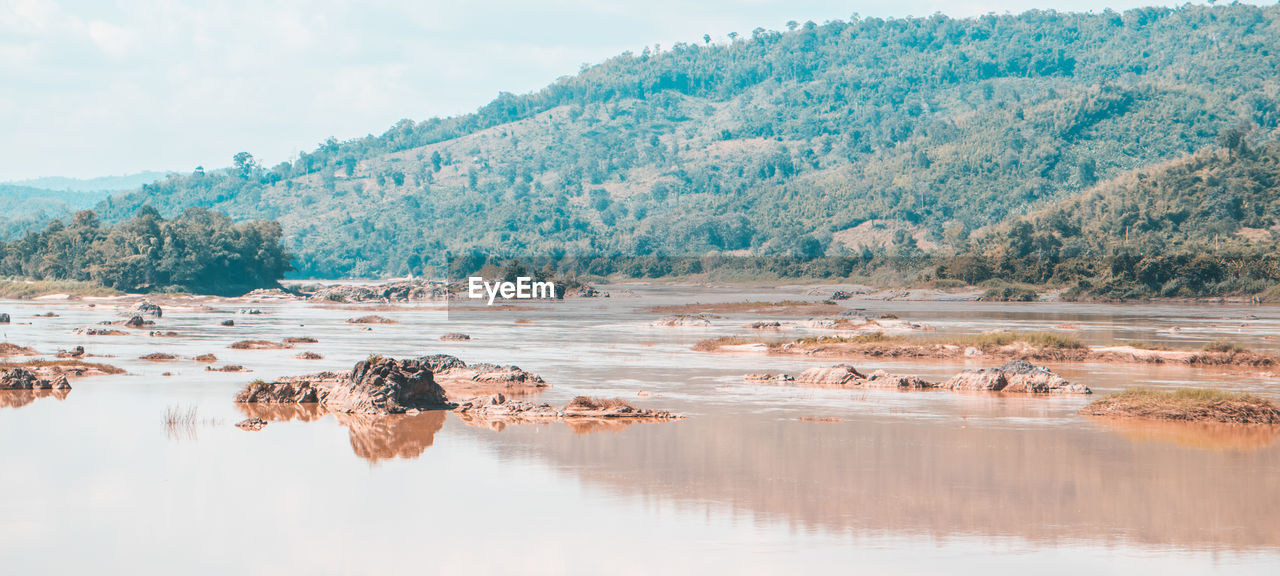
882	379
146	308
22	379
76	352
841	295
4	317
384	385
135	321
838	376
1016	376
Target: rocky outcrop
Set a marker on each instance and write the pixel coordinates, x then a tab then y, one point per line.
882	379
206	358
462	379
371	319
404	291
309	356
684	321
374	386
100	332
21	379
11	349
838	376
455	337
300	340
384	385
1017	376
259	345
769	378
270	294
158	357
765	325
841	295
587	291
145	308
4	318
76	352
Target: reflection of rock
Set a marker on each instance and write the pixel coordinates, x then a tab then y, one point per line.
282	412
1015	376
377	437
1203	435
21	397
583	414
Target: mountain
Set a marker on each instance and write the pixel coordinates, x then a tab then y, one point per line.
100	184
1205	224
855	138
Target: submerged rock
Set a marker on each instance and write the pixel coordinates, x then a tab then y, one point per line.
1015	376
252	424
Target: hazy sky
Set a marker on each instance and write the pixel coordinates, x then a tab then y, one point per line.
108	87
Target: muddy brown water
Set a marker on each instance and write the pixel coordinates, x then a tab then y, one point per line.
921	482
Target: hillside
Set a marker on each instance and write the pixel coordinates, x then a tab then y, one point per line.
24	208
840	138
1206	224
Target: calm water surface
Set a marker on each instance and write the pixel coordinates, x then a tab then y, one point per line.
907	483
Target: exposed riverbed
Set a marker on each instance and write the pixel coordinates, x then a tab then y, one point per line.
756	478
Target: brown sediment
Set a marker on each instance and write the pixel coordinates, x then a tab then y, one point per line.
10	349
158	357
1186	405
792	307
259	345
999	346
63	367
300	340
371	319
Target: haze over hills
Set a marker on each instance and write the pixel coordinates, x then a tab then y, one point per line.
29	204
875	137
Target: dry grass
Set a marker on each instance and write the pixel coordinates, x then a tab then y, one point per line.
181	422
713	344
23	289
9	349
59	366
1225	346
596	404
1188	405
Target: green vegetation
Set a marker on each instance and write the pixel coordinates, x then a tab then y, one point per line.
1225	346
912	147
199	251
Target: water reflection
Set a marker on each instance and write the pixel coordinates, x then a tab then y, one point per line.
20	398
373	437
1202	435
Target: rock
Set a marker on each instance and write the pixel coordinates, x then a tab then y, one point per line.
207	358
135	322
882	379
439	363
403	291
146	308
371	319
455	337
258	345
309	356
162	334
227	368
839	376
300	340
269	294
157	357
841	295
765	325
249	311
23	379
76	352
228	322
497	406
4	317
287	391
588	291
768	378
1015	376
684	320
100	332
251	424
384	385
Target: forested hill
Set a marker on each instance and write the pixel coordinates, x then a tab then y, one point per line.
823	139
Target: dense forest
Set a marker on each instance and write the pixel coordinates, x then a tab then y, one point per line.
816	151
199	251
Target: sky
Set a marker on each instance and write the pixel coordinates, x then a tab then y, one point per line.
110	87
